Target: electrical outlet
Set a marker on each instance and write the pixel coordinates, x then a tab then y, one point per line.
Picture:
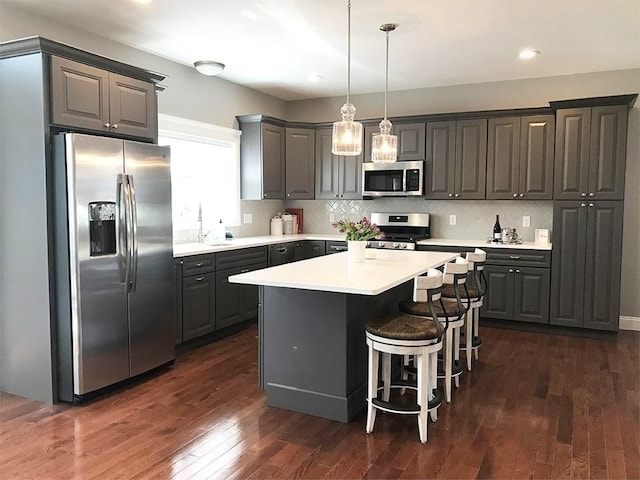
332	217
452	220
526	221
247	218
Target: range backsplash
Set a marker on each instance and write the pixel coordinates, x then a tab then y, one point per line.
475	219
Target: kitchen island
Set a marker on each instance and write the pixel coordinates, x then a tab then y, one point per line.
312	348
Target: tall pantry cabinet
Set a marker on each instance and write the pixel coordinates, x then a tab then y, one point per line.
590	160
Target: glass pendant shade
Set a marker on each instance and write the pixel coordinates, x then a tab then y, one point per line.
384	147
347	134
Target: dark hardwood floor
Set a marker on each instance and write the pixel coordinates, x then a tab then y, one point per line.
535	406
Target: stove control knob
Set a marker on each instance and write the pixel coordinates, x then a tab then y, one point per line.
403	245
381	244
396	245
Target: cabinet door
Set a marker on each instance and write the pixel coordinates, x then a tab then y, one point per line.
350	186
440	160
571	172
313	248
607	157
568	263
411	141
177	269
503	158
471	159
531	294
228	298
537	136
603	262
79	95
368	133
273	165
327	166
198	305
300	165
250	296
132	107
498	302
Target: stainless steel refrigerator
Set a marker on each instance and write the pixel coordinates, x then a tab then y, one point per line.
115	283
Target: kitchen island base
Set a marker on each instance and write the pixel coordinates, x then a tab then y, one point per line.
313	352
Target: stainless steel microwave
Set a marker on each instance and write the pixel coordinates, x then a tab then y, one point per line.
399	179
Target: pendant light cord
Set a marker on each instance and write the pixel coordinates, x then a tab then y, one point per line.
386	74
348	50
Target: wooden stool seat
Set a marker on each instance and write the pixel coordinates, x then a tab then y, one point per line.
406	327
448	307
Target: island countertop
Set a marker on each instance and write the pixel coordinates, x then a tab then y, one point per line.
333	273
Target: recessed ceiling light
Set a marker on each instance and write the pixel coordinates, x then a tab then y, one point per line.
528	54
314	77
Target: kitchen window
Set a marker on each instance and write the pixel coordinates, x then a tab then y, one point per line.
205	175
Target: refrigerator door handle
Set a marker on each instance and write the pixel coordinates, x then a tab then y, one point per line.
122	226
134	234
128	234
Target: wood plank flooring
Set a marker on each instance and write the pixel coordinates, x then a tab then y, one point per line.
535	406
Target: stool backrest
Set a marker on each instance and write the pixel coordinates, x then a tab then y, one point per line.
477	260
455	273
428	287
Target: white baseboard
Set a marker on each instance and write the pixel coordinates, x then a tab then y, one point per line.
629	323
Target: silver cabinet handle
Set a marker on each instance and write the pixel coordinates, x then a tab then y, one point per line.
451	194
517	271
288	194
199	279
591	205
457	195
511	270
264	195
336	195
591	194
583	194
199	264
115	125
107	125
514	257
515	195
583	204
244	270
521	195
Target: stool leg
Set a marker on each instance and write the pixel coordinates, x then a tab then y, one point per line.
468	336
433	381
476	329
456	352
386	376
423	385
372	387
448	357
405	375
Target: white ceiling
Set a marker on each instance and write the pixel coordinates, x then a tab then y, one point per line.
273	45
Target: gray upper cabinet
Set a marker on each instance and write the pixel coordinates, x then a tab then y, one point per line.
456	159
262	159
83	96
590	153
520	158
337	177
587	254
411	140
300	164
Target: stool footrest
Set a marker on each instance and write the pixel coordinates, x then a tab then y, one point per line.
456	369
408	408
475	343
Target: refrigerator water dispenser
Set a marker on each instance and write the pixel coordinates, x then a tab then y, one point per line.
102	228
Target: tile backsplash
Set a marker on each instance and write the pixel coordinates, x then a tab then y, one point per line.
474	219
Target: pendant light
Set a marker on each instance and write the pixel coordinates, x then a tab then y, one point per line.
384	147
347	134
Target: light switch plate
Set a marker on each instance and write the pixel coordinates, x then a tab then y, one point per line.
526	221
247	218
452	220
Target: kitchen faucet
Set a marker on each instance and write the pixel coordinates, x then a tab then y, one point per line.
201	236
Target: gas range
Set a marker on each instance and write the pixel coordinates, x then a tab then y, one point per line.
401	230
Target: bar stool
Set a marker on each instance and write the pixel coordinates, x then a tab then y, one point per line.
473	293
403	335
453	312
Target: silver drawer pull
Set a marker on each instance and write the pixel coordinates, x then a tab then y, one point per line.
517	271
199	279
199	264
511	270
514	257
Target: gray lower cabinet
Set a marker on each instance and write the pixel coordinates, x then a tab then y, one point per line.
309	249
456	160
300	163
197	296
282	253
236	303
337	177
90	98
518	283
587	246
520	158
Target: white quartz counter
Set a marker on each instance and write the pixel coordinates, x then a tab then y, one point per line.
186	249
452	242
333	273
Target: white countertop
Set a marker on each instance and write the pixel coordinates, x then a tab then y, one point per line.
186	249
453	242
333	273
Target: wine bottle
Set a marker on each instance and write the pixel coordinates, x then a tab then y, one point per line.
497	230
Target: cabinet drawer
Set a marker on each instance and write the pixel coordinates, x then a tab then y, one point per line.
196	264
516	257
239	258
336	247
